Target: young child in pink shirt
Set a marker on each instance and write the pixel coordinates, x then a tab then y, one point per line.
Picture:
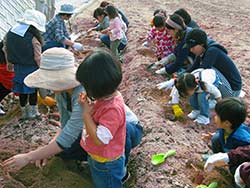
116	30
104	133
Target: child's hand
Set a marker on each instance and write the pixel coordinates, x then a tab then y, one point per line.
218	159
86	103
82	98
207	137
16	162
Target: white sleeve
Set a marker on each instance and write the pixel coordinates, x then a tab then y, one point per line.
103	134
210	88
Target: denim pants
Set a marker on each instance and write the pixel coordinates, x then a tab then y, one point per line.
133	138
106	40
108	174
199	101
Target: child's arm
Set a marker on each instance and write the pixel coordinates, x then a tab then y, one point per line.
152	34
210	88
91	127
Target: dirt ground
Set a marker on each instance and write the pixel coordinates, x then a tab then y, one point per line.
226	21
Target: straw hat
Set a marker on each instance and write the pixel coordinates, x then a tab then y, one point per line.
34	18
57	71
66	9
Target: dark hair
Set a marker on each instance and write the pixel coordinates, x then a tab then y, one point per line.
184	14
99	12
36	33
180	35
64	14
159	21
231	109
100	74
187	82
104	4
160	11
111	12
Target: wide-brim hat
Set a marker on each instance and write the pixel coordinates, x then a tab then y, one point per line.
66	9
34	18
57	71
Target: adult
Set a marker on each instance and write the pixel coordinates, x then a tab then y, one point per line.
178	31
186	18
210	54
104	4
56	34
23	47
47	7
57	73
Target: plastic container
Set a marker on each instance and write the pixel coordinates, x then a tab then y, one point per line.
177	110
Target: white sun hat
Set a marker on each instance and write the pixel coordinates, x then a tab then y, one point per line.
34	18
57	71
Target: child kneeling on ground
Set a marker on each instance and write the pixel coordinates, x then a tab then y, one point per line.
232	132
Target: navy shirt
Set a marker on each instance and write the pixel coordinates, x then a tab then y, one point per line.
216	56
181	55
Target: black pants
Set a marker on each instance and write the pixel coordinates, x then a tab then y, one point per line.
3	92
24	98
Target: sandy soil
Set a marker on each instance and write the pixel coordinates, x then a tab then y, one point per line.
226	21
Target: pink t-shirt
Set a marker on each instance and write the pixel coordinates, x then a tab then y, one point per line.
116	27
110	114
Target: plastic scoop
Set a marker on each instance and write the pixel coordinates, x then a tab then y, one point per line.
160	158
211	185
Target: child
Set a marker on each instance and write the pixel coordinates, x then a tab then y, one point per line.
158	12
23	46
6	77
178	30
101	16
231	133
105	123
238	159
198	85
104	4
116	30
161	37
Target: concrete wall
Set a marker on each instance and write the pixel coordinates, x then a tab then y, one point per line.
10	11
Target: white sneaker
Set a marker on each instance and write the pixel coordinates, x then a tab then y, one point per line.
212	103
194	114
202	120
161	71
2	112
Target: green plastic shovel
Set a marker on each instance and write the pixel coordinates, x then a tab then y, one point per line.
211	185
160	158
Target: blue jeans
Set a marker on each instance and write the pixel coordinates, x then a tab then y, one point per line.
106	40
109	174
199	101
133	138
51	44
